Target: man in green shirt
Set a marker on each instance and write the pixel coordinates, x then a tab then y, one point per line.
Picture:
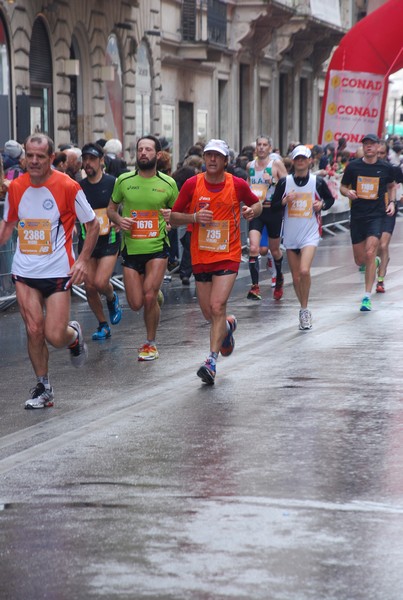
146	197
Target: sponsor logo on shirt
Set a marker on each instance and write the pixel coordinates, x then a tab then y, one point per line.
48	204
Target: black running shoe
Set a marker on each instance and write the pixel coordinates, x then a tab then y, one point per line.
207	372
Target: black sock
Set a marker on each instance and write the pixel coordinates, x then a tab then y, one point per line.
254	269
278	263
44	379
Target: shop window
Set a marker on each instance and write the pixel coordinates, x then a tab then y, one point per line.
143	92
114	91
5	108
41	80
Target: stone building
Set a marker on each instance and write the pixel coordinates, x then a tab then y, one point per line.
183	69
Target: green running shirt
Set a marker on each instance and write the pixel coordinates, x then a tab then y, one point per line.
142	198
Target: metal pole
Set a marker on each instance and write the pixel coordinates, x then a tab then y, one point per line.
394	115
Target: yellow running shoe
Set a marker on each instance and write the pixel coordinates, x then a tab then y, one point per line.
148	352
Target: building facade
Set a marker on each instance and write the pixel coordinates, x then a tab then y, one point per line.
187	70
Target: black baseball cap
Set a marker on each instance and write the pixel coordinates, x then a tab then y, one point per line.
370	137
93	150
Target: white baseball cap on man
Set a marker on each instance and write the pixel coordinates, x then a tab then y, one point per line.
301	151
217	146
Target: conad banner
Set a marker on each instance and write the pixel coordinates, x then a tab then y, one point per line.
353	106
357	79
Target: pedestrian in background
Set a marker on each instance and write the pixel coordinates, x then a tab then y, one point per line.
185	265
164	165
115	165
74	163
60	162
388	227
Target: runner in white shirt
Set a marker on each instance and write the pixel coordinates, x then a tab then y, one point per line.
263	174
304	196
43	204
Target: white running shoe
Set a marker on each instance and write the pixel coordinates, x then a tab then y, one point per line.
305	319
41	397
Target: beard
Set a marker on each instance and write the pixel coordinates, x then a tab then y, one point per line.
90	171
146	164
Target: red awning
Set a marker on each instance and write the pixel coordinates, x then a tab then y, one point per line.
373	45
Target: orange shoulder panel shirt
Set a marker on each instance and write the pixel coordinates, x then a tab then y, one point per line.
219	242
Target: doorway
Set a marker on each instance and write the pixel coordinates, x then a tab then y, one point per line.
185	128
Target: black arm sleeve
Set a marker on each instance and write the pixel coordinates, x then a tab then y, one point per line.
398	174
324	193
278	195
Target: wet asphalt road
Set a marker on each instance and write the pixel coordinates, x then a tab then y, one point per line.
284	481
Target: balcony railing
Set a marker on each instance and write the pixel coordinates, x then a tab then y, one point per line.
204	21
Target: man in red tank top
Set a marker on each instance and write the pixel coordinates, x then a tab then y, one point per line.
211	201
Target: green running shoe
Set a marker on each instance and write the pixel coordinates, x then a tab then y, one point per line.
366	304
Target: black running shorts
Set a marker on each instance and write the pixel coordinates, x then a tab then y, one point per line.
361	229
46	287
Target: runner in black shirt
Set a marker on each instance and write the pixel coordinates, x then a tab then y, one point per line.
98	188
365	182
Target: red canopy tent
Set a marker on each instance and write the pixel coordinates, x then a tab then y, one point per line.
373	46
